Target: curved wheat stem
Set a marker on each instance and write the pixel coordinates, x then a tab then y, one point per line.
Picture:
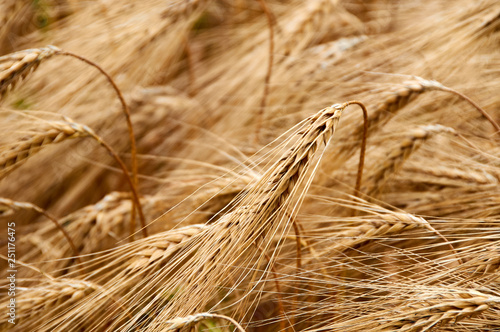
434	85
392	102
267	79
361	162
133	148
14	205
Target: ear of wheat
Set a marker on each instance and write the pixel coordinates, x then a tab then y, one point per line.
425	314
398	156
17	66
55	132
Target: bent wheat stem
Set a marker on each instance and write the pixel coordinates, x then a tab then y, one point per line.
438	86
14	205
361	163
133	148
267	79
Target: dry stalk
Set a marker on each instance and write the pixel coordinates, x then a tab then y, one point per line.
14	205
361	163
278	287
133	148
183	323
267	80
434	85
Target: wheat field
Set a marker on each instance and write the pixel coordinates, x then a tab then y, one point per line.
250	165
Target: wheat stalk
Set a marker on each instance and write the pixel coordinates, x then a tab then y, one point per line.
397	99
386	224
14	205
122	272
468	175
390	104
267	79
258	212
434	85
93	228
255	215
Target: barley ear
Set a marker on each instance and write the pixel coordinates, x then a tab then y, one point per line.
17	66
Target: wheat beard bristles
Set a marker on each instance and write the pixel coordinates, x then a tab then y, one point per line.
16	66
230	241
201	252
322	126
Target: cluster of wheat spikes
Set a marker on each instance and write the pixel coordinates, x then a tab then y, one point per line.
196	165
